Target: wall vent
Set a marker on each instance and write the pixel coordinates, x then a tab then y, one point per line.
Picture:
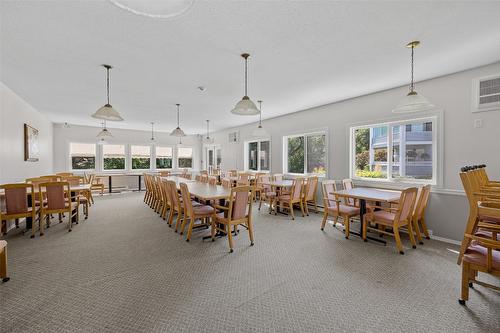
486	94
234	137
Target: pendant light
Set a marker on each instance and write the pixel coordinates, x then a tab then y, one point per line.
259	131
208	139
413	102
178	132
152	132
107	112
245	107
104	134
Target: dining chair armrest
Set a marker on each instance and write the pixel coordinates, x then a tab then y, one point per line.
489	226
384	208
220	207
486	242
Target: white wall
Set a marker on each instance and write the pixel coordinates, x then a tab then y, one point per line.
462	143
14	112
85	134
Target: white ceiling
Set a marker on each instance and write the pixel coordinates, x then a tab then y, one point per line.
304	54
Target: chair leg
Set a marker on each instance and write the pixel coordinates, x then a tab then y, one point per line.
190	229
229	237
399	245
3	265
347	221
417	231
412	237
250	231
424	228
315	207
325	217
465	284
42	220
212	231
363	224
292	213
305	208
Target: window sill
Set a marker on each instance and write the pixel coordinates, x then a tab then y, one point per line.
399	184
294	175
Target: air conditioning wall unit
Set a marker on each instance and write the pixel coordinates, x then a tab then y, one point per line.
486	93
234	137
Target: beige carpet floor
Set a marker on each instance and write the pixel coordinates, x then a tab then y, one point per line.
125	270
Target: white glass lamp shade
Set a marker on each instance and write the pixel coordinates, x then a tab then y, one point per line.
259	132
413	102
104	134
107	112
245	107
178	132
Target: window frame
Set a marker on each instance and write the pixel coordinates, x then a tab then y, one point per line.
305	135
71	162
437	147
177	157
156	156
246	150
126	154
131	157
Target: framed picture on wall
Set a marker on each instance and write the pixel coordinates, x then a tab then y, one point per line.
31	148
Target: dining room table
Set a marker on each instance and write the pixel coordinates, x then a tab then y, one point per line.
370	194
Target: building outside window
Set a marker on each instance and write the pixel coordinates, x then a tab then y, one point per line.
141	157
306	154
411	145
164	157
113	157
185	157
82	156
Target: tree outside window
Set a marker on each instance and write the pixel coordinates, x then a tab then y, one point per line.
82	156
141	157
113	157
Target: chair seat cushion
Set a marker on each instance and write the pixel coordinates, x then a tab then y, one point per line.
344	210
203	210
477	255
383	216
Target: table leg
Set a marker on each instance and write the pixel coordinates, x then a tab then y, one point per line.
140	181
362	212
29	222
110	184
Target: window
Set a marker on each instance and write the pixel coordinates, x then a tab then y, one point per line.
113	157
411	145
218	153
141	157
258	155
185	157
164	157
306	154
82	156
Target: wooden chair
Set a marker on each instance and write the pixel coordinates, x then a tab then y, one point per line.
334	207
204	178
277	177
187	176
17	206
348	184
58	200
96	184
293	197
83	196
483	253
267	194
165	193
238	212
51	178
227	183
164	173
193	213
233	173
395	218
419	213
475	194
212	180
243	179
310	193
148	192
176	206
3	261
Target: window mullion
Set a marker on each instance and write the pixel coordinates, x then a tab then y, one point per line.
389	152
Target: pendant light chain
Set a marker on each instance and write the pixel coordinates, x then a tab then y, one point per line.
260	113
208	131
178	123
107	82
246	75
152	131
412	84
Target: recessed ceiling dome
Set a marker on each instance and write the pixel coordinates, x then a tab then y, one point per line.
155	8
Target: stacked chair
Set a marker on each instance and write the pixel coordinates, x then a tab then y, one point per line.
480	249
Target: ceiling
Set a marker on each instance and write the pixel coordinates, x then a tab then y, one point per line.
303	54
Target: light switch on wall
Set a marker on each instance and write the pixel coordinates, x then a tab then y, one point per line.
478	123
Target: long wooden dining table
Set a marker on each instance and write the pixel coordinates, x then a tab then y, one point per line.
364	194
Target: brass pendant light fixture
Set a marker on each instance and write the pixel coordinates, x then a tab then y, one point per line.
245	107
107	112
